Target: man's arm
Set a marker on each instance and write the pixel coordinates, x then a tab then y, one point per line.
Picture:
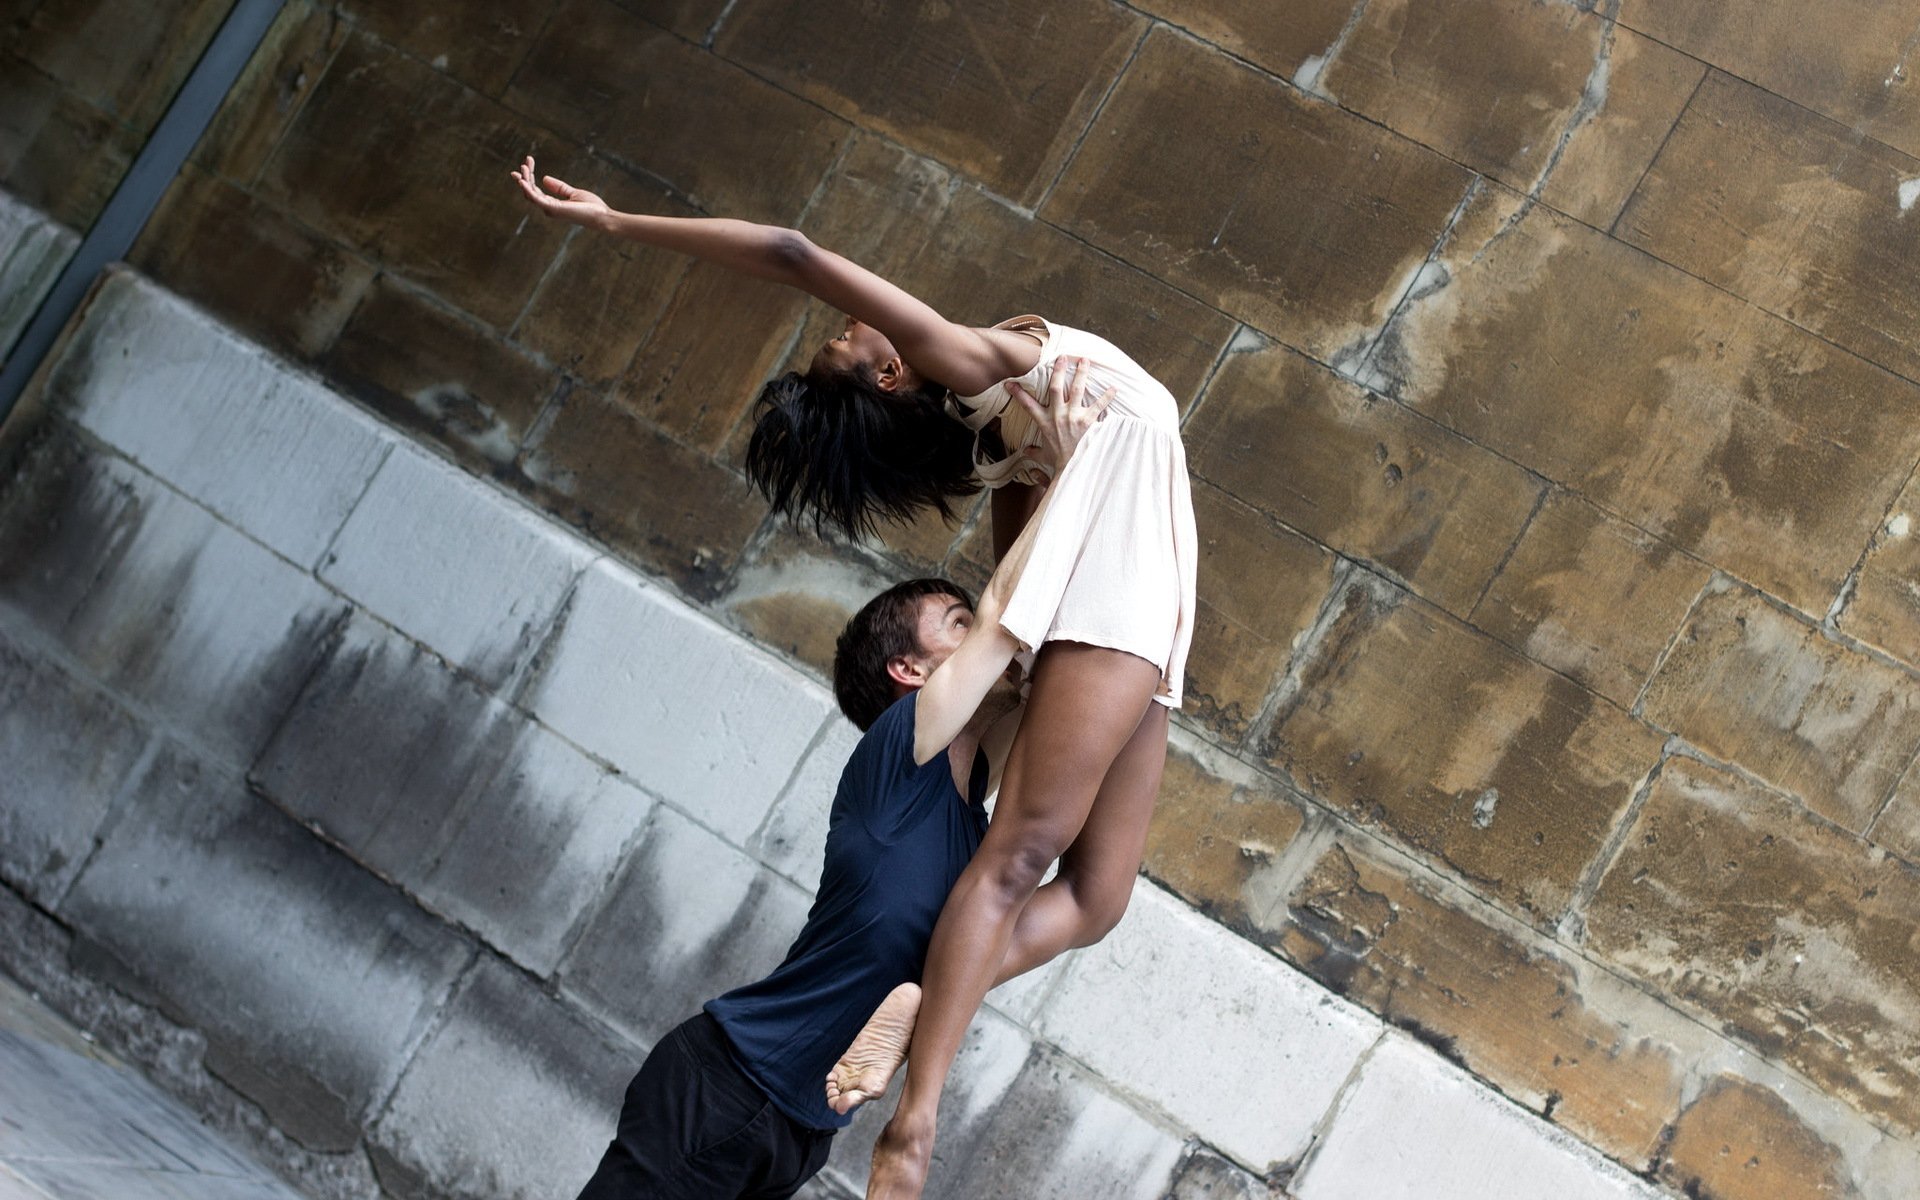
942	708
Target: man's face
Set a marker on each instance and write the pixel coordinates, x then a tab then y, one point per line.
942	625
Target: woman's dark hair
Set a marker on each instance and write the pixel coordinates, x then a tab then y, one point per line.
886	627
838	448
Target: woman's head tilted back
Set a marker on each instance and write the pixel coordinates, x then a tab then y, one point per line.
854	442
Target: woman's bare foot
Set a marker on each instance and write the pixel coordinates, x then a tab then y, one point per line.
900	1160
863	1072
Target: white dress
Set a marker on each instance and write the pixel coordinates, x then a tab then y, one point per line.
1110	557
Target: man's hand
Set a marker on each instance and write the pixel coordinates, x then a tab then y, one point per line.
559	199
1066	415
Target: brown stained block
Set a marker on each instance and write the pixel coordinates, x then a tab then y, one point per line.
1295	216
1793	212
999	89
691	19
924	544
1407	720
657	503
972	561
407	166
438	372
243	260
1218	843
479	42
1852	60
276	82
12	13
58	153
1898	827
1280	37
986	262
1742	1141
1794	935
878	208
1647	85
1732	434
1490	83
124	57
721	337
1749	684
795	593
1259	588
724	336
1885	606
732	144
1506	1007
1591	596
1362	474
605	295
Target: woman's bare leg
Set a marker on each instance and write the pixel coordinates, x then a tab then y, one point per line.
1078	907
1086	705
1083	903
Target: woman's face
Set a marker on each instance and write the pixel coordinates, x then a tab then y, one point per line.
857	345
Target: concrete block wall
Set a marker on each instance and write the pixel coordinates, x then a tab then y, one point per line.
424	887
1547	366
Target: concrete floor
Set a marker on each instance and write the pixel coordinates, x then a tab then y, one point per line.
76	1124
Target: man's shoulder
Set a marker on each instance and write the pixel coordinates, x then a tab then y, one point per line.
890	728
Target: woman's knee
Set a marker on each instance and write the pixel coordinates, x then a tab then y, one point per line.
1018	864
1100	906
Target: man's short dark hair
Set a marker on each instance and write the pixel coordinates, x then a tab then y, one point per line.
885	628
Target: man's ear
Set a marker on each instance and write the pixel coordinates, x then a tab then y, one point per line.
907	671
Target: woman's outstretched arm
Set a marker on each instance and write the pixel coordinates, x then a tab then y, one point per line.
955	356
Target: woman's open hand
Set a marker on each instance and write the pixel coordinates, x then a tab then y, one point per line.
1066	415
557	198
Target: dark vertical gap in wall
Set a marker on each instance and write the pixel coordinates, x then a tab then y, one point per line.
139	193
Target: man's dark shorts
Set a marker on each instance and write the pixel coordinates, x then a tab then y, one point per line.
695	1126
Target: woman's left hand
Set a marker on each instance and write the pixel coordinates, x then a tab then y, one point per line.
1065	416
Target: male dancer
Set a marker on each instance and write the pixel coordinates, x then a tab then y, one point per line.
730	1103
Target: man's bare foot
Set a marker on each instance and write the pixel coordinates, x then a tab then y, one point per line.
900	1160
863	1072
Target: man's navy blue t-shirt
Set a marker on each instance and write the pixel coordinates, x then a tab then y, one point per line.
898	837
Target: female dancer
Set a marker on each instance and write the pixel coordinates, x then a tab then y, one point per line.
1099	584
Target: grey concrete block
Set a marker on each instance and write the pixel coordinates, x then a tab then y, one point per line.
310	979
1415	1127
825	1187
1207	1176
793	841
63	517
991	1059
34	248
1229	1041
1057	1135
452	562
1018	1120
688	917
513	1095
68	748
380	747
525	859
267	448
425	778
162	601
681	706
